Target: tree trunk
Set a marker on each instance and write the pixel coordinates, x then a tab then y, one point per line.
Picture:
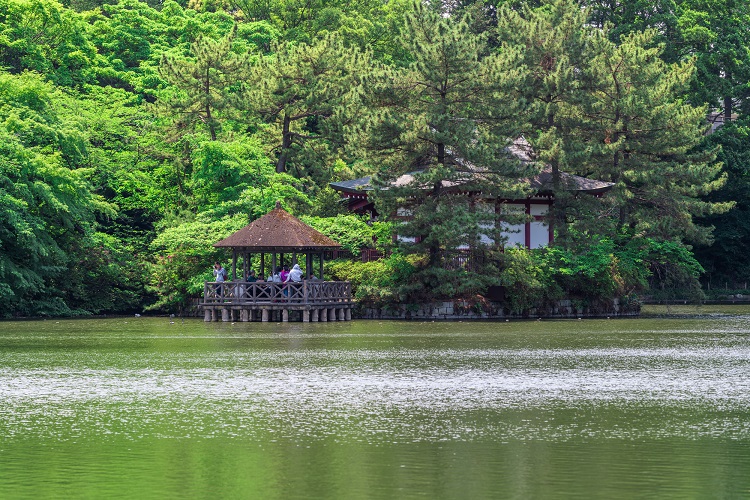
286	143
209	118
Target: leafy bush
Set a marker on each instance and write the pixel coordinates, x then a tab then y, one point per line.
353	232
378	282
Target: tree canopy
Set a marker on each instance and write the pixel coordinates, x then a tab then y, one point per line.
134	134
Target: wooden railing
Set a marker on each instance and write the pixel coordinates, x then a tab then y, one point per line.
305	293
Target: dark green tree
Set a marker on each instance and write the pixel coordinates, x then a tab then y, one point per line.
716	32
727	260
444	121
645	137
555	42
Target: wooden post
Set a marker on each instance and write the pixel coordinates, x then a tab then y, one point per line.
315	317
207	315
305	316
234	264
348	315
243	315
285	315
341	314
264	316
324	315
308	265
225	314
262	274
331	314
273	264
321	266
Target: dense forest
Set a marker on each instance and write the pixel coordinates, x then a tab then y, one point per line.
135	134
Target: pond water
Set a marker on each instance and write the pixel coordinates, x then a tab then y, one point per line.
158	408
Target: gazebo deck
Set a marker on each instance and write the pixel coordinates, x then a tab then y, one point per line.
240	301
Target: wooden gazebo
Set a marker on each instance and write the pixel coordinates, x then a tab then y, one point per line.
279	238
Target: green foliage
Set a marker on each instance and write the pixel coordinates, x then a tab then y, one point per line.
133	135
44	36
183	258
727	260
354	232
378	282
437	123
525	279
306	93
48	208
351	231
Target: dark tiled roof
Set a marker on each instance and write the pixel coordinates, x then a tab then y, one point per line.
543	182
521	149
353	186
279	231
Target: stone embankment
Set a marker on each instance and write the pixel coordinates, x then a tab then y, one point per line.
463	310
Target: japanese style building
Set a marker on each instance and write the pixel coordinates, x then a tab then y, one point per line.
534	233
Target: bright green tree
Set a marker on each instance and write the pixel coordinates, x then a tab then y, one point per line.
44	36
48	206
202	85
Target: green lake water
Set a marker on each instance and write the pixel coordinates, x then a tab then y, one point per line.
656	407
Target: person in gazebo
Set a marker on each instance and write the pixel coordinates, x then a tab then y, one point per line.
295	275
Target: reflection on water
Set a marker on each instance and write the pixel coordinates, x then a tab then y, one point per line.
649	408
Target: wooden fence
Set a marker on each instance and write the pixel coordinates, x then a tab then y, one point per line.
309	292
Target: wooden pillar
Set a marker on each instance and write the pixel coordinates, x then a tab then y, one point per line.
341	314
215	315
348	315
207	315
331	314
264	316
243	315
305	316
285	315
273	264
262	274
323	315
234	264
308	265
225	314
321	266
315	318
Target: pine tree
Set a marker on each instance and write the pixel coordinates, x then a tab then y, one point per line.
202	85
556	43
717	33
306	93
644	139
442	124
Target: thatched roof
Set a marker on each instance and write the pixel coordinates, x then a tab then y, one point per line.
278	231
